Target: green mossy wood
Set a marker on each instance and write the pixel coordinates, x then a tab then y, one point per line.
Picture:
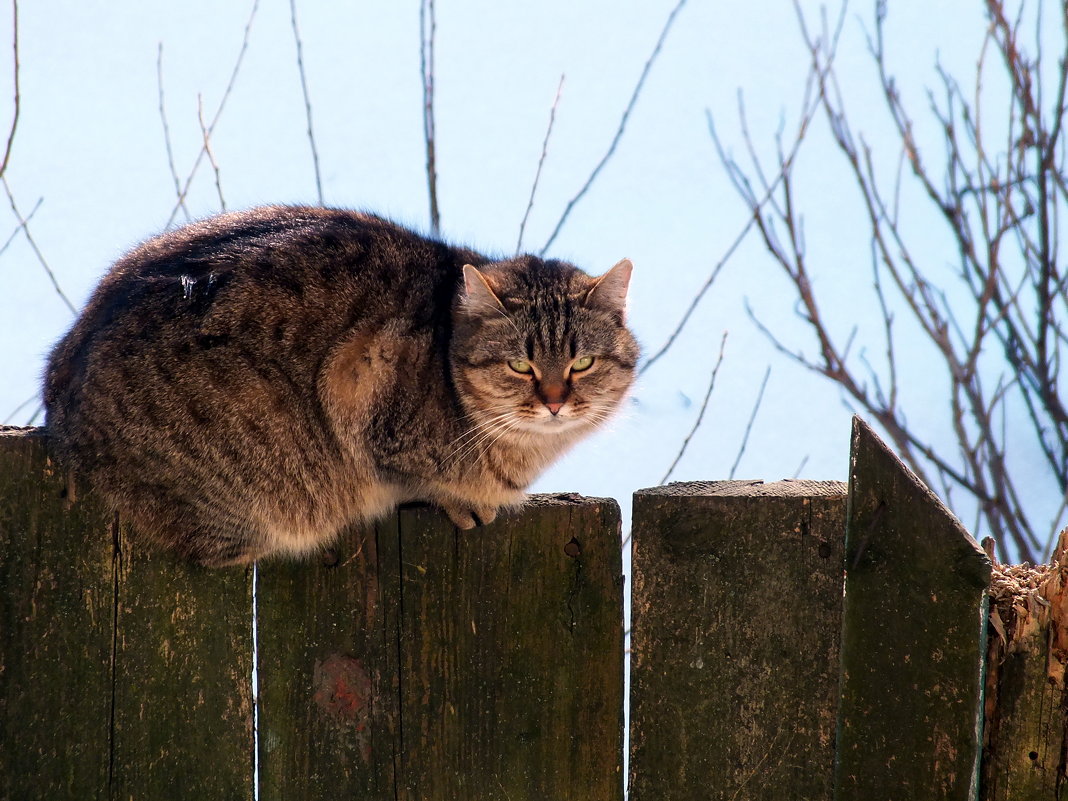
56	631
1026	732
1025	729
122	675
419	662
736	616
412	662
912	638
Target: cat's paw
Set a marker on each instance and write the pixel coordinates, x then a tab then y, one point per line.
469	517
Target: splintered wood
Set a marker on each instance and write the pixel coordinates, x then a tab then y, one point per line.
1024	742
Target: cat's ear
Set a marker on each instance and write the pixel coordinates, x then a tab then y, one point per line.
479	297
609	292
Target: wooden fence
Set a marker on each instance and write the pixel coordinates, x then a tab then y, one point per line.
417	662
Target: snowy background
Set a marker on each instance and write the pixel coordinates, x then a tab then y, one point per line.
90	161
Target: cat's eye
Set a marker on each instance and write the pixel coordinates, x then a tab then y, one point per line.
582	363
521	366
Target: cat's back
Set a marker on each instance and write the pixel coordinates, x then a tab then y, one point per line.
244	301
273	276
242	261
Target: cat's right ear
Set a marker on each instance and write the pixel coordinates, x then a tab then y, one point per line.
479	297
609	292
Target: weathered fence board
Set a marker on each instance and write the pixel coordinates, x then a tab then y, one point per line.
182	691
1025	732
493	708
327	673
124	674
56	633
411	662
419	662
736	616
912	638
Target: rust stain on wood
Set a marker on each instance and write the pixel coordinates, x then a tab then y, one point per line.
343	695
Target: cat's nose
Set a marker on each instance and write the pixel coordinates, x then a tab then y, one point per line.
554	396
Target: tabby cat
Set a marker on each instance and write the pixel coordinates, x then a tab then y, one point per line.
249	384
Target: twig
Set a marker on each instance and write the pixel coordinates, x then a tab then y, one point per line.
20	226
33	244
18	94
307	100
541	161
211	154
19	408
810	107
749	425
426	63
800	467
36	414
990	202
700	414
218	112
619	131
697	298
167	135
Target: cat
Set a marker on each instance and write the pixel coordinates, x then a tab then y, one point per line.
249	384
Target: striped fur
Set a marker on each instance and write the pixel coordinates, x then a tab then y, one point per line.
251	383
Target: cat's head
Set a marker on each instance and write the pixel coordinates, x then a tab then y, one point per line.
540	347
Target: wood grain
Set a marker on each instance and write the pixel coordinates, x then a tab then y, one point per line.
912	637
736	615
56	630
421	662
123	673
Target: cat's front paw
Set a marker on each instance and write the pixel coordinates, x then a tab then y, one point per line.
468	517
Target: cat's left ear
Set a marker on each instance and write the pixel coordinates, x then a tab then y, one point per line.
479	296
609	292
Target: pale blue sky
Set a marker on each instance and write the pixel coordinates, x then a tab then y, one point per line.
90	144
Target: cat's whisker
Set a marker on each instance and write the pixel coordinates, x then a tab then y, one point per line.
484	431
477	448
506	428
477	429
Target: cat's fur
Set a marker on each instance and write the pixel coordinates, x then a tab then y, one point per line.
251	383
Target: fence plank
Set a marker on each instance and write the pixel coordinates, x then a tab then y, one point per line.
512	655
912	637
487	664
736	615
56	615
125	674
183	678
1025	730
327	672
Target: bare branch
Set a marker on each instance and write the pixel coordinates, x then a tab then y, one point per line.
697	299
8	420
307	99
211	155
1006	330
18	94
619	130
810	107
218	113
167	135
541	161
20	226
749	425
33	245
700	414
426	62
